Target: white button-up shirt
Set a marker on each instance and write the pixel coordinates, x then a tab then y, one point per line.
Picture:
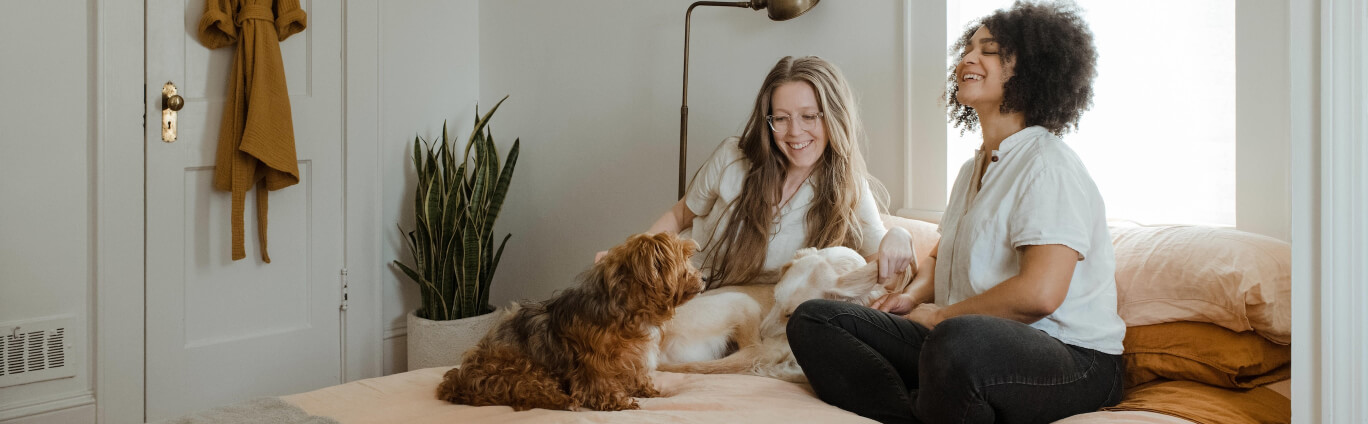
1035	191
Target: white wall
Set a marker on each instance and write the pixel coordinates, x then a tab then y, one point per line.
47	215
429	72
595	91
1263	129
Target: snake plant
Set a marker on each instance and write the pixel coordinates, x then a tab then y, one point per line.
455	206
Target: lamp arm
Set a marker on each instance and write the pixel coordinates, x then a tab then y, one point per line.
684	99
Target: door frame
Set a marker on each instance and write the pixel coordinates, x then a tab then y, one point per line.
120	236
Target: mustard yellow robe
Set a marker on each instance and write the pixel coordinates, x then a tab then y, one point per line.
256	141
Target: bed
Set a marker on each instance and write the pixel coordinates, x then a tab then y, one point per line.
1207	310
689	398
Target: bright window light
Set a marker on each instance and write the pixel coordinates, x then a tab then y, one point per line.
1159	139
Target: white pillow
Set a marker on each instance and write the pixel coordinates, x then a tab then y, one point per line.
1238	280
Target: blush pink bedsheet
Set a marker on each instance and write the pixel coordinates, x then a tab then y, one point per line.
688	398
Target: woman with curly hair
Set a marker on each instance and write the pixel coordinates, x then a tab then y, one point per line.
794	179
1015	320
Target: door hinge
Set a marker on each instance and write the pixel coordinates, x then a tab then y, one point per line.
343	277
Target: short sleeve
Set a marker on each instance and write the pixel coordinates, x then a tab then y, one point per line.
872	229
290	19
1056	207
706	186
216	27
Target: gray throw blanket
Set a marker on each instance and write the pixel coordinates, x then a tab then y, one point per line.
267	410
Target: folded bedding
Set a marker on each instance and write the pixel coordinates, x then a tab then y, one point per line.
1204	353
1208	404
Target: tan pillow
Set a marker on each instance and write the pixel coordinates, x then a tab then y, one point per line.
1205	404
1205	353
924	235
1238	280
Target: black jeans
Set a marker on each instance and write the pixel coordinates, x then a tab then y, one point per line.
970	369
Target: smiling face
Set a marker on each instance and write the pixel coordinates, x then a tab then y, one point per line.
981	73
803	146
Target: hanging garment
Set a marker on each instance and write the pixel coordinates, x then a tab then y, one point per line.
256	141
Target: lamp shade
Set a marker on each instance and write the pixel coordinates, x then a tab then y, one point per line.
783	10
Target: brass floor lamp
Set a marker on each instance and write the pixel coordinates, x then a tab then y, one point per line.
778	10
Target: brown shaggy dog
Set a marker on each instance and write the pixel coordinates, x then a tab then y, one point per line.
592	346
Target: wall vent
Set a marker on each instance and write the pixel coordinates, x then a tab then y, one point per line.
35	350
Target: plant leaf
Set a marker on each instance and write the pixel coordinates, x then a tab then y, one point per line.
471	274
422	283
501	188
484	120
493	265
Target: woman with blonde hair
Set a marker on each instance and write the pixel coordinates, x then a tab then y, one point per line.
794	179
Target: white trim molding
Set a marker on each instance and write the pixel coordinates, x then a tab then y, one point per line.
119	266
363	353
1304	90
924	47
1330	210
1342	213
47	405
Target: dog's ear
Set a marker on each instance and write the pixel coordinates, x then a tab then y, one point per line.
679	279
854	285
635	261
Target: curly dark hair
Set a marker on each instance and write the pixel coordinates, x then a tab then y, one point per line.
1055	63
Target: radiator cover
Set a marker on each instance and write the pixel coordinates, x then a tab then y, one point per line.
36	350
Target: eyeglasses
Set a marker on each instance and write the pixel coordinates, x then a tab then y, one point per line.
780	123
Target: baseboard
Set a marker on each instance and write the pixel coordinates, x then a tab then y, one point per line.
56	404
399	331
83	414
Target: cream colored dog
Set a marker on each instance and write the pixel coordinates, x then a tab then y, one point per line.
752	319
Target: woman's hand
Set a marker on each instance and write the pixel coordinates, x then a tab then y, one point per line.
895	254
894	303
926	314
599	256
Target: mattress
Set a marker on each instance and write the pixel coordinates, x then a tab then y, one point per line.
689	398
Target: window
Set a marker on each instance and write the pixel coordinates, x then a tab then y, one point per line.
1159	139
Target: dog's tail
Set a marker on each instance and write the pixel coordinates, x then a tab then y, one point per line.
737	363
757	359
862	285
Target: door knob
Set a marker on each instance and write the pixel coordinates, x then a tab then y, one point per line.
175	102
171	102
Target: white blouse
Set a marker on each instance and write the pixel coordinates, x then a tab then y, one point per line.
718	184
1035	191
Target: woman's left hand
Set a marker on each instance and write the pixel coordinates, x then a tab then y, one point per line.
895	254
926	314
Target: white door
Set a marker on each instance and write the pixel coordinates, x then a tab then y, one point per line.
221	331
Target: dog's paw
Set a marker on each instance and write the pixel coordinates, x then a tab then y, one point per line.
618	404
648	392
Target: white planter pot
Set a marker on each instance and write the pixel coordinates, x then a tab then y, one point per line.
443	343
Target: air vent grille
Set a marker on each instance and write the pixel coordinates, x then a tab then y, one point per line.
34	351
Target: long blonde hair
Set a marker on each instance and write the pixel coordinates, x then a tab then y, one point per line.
836	177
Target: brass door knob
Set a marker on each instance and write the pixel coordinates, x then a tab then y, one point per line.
174	102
